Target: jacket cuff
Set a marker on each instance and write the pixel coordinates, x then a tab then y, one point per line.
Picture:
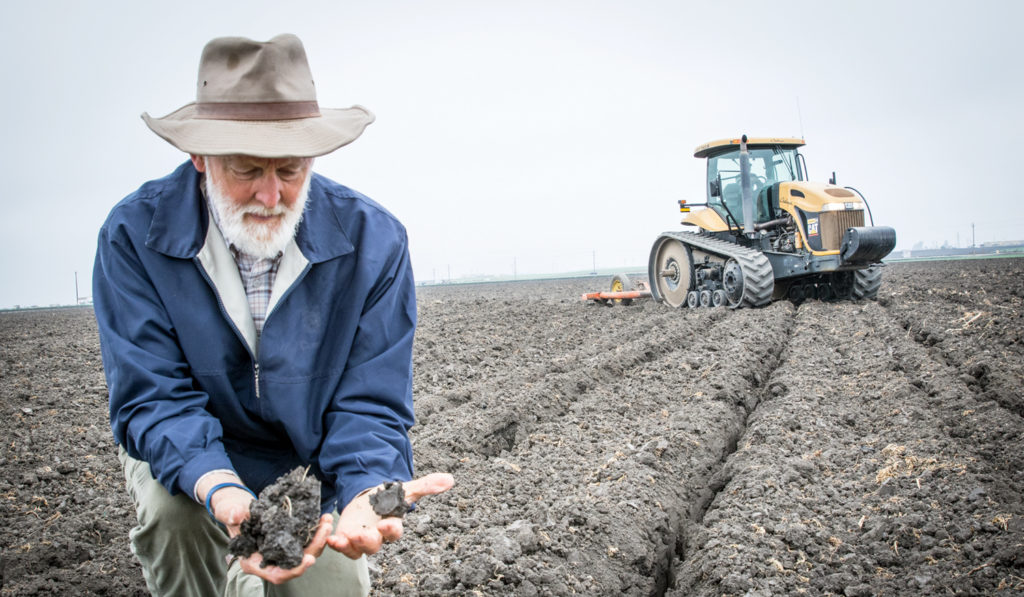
194	469
195	488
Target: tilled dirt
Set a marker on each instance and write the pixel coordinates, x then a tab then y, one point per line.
870	448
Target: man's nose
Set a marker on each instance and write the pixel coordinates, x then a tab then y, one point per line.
268	190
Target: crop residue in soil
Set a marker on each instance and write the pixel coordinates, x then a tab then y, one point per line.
282	522
839	448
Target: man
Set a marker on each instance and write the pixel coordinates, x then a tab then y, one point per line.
255	317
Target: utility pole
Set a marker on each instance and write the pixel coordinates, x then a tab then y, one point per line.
514	270
77	300
594	255
972	236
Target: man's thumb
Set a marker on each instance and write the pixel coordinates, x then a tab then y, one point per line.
431	484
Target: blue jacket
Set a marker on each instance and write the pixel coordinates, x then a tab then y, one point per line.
330	382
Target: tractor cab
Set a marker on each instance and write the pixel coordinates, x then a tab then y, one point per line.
771	160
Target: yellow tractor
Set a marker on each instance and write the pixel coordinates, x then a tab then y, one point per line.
768	233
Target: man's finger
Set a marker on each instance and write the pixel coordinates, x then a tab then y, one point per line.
319	540
390	528
342	545
367	540
431	484
354	545
274	574
236	514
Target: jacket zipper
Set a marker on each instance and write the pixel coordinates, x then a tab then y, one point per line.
255	358
224	314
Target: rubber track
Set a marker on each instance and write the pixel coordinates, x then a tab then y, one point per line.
758	279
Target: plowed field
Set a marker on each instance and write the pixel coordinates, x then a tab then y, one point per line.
857	448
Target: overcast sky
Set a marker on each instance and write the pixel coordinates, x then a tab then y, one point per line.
535	135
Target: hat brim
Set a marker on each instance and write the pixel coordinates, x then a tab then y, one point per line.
299	137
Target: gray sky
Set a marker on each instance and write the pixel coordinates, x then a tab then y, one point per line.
539	135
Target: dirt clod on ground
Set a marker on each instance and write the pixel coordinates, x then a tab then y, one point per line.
282	522
833	449
389	501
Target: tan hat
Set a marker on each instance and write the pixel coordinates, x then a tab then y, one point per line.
257	98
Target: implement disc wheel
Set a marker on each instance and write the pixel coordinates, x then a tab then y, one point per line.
673	271
622	283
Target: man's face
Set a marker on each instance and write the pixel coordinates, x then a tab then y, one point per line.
259	201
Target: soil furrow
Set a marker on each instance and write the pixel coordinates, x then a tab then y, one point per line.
758	387
516	393
615	471
849	478
834	449
963	323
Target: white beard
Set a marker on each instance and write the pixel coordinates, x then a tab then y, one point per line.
254	238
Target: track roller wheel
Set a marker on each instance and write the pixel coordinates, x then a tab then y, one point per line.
718	298
705	298
693	299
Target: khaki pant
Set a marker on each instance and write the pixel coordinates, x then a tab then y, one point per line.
184	552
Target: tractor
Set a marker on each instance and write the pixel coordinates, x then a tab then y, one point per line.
767	233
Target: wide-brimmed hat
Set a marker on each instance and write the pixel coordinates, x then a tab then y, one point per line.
257	98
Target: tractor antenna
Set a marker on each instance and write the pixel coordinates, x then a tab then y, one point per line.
799	117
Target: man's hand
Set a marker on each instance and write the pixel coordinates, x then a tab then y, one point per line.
361	531
230	506
277	575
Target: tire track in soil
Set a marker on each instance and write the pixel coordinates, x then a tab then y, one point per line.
757	391
853	480
768	332
594	351
871	466
981	334
614	442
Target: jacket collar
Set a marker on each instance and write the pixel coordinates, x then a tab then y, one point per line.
180	220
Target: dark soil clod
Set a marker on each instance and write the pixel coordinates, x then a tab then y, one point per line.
862	462
282	522
389	500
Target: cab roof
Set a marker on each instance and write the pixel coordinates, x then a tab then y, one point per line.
722	145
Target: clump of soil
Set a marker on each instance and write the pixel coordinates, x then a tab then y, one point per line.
389	501
282	522
846	448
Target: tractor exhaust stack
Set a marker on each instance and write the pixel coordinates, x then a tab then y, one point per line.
746	189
